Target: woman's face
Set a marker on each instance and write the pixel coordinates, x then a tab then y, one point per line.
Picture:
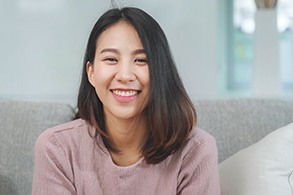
120	73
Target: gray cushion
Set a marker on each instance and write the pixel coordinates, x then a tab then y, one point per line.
20	124
239	123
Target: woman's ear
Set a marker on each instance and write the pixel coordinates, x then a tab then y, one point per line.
90	72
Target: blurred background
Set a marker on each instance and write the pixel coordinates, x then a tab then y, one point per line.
223	48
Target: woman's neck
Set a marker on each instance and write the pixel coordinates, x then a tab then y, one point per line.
128	136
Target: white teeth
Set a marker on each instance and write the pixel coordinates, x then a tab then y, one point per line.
124	93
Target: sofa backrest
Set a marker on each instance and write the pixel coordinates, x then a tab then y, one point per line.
239	123
235	124
20	125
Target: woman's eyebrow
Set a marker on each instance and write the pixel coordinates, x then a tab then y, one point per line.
112	50
139	51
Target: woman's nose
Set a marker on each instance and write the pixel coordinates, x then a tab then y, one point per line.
125	73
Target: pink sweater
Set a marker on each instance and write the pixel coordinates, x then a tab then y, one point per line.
69	161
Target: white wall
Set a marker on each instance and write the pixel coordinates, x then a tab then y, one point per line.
42	43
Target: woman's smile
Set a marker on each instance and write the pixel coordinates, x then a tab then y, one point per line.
125	95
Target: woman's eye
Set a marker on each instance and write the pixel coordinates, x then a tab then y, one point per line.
110	60
141	60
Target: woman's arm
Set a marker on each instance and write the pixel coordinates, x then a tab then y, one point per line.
199	173
52	171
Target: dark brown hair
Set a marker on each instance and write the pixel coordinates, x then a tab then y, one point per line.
170	113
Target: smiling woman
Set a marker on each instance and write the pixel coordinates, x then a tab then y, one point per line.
135	130
119	72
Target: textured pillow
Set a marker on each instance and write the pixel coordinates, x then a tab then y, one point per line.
264	168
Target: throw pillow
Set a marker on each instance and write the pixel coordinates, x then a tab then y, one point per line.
264	168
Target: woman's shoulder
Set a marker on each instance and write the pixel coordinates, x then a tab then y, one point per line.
200	144
69	128
66	135
198	136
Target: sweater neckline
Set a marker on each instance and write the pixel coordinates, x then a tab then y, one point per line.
106	154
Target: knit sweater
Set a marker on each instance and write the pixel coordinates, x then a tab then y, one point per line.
68	160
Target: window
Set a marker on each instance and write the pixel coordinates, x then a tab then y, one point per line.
241	48
240	43
285	27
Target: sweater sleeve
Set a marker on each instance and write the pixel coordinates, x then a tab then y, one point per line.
52	171
199	172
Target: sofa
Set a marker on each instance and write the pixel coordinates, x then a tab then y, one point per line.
240	126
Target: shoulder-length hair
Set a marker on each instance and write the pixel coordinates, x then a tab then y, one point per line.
170	114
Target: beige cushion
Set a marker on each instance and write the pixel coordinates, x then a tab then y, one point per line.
264	168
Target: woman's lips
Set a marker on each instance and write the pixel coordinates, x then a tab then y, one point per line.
125	96
125	93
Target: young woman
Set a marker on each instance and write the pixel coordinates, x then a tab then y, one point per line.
135	131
